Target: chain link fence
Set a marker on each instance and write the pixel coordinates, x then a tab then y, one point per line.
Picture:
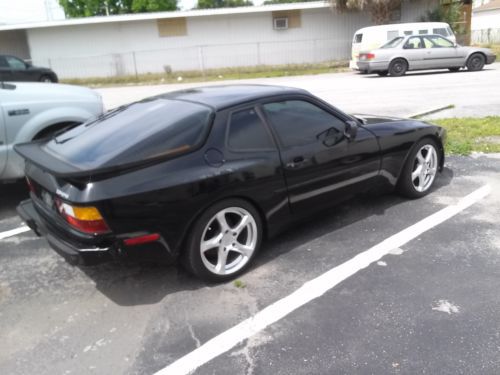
199	58
486	36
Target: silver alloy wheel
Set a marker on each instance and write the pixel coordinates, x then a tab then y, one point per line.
228	241
424	168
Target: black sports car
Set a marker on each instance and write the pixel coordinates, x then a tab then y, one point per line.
15	69
204	174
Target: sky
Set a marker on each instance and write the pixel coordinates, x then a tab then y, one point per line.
20	11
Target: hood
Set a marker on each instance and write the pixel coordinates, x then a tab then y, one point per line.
32	92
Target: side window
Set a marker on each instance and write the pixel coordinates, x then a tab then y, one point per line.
439	42
414	43
440	31
15	63
3	62
298	123
427	43
408	32
247	132
422	32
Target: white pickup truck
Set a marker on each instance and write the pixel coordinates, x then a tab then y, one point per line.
31	111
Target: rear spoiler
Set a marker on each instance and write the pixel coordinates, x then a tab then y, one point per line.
34	154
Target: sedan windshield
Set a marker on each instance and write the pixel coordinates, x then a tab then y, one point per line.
393	42
149	129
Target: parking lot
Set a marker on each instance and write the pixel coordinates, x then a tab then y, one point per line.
378	285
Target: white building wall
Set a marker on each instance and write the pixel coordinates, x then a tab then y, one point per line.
217	41
485	27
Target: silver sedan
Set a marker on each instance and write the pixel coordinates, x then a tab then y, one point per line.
420	52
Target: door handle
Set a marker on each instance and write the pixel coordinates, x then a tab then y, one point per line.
296	162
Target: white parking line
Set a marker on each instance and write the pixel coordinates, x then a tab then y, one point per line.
314	289
14	232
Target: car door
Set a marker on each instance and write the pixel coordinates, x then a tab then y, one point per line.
5	70
440	52
19	69
322	162
414	52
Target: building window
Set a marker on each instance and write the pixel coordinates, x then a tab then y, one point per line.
293	19
171	27
280	23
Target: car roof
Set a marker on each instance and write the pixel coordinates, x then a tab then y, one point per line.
220	97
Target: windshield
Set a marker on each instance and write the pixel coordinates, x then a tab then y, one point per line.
149	129
393	43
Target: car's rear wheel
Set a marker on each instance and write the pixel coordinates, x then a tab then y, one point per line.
223	241
453	69
46	78
475	62
383	74
398	67
420	169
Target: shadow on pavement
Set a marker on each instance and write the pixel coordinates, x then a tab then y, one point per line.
140	284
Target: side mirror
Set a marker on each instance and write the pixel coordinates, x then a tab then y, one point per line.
28	64
351	129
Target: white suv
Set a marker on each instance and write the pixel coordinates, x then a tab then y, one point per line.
31	111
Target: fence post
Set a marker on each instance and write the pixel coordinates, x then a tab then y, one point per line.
135	67
258	54
201	60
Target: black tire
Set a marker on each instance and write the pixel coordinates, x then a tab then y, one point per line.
383	74
406	184
453	69
51	130
192	256
46	78
475	62
398	67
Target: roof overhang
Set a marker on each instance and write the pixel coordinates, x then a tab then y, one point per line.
163	15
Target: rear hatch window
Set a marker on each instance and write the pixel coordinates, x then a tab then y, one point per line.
150	129
358	38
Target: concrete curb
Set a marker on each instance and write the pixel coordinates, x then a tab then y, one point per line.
431	111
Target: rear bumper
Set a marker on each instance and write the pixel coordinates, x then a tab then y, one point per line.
372	66
73	252
84	253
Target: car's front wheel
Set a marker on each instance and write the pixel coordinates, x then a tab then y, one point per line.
420	169
223	241
46	78
475	62
398	67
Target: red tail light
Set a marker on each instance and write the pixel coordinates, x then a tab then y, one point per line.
366	56
85	219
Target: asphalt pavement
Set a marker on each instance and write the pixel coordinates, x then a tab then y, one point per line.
474	94
429	306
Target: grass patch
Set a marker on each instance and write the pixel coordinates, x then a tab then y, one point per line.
239	284
494	47
466	135
264	71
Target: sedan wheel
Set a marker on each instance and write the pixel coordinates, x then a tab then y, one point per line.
398	68
46	79
224	241
420	170
475	62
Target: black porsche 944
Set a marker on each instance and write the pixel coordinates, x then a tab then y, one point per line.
203	175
